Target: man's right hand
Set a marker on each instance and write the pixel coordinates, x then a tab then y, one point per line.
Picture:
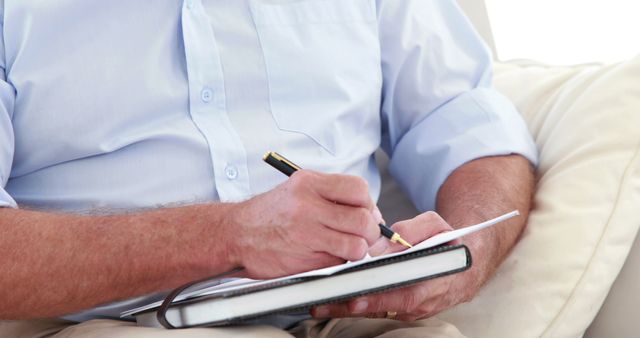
311	221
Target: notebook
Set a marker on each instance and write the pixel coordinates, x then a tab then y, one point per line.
217	304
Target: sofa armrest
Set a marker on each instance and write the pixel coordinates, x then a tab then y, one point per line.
618	316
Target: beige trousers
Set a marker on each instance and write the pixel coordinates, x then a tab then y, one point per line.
336	328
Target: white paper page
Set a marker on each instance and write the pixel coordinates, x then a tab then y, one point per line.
448	236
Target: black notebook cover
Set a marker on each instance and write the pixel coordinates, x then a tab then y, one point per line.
149	316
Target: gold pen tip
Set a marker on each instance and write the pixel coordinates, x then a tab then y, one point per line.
397	239
405	243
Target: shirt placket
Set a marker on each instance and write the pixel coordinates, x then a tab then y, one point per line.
207	104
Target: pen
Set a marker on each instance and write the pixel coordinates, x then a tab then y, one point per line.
288	168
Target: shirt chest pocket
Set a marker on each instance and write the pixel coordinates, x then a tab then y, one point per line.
323	65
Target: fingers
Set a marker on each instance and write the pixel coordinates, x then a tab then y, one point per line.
402	301
342	205
410	303
380	247
414	231
421	227
322	259
342	189
356	221
338	244
348	206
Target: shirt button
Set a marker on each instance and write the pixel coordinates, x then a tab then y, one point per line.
206	95
231	172
189	3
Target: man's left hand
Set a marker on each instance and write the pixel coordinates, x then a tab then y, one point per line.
414	302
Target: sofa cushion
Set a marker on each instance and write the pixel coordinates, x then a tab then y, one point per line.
586	123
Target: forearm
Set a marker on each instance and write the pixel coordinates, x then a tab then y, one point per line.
53	264
483	189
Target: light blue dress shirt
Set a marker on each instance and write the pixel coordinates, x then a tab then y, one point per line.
107	106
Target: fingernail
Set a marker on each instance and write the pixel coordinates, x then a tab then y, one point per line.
360	306
321	312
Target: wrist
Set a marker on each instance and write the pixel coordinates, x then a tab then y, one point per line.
488	247
483	254
231	232
210	238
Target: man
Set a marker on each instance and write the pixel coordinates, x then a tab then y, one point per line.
131	135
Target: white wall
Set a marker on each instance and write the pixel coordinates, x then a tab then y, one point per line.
566	31
477	12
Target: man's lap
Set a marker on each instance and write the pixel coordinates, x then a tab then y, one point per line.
103	328
337	328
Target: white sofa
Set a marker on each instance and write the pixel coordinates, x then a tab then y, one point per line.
568	274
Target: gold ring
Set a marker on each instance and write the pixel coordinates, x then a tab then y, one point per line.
392	314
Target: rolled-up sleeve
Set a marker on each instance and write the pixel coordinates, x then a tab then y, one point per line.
7	101
439	109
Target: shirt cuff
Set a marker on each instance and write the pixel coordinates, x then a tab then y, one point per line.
6	200
475	124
